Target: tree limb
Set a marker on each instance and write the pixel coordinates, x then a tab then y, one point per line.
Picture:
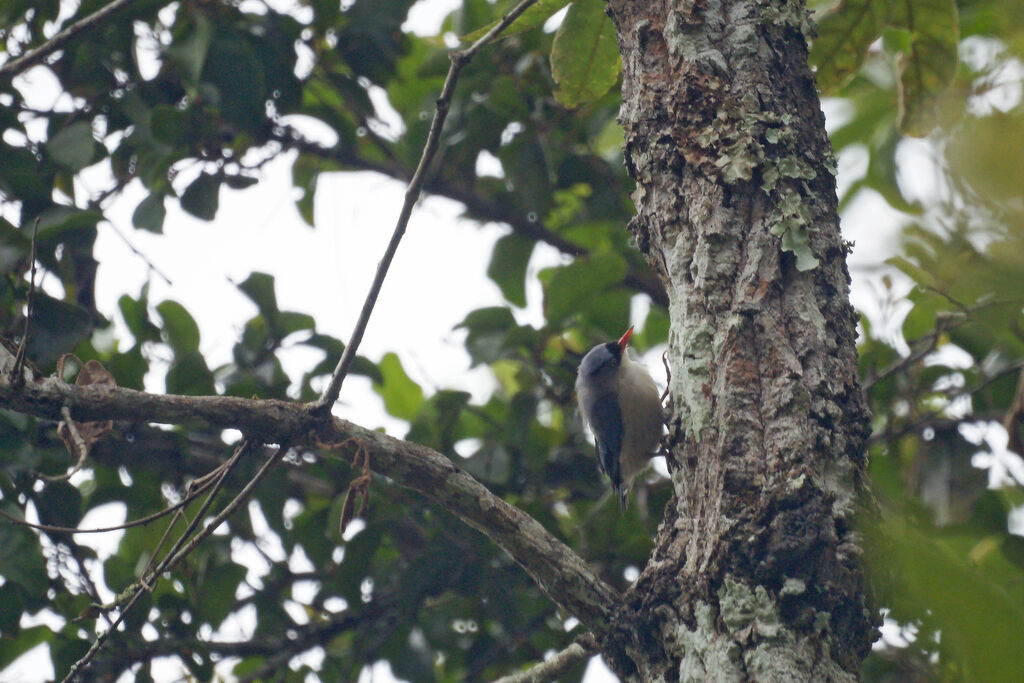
33	57
551	669
559	572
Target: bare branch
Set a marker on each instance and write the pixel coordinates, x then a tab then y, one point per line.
200	486
560	573
19	359
458	61
550	669
1014	417
33	57
181	548
68	430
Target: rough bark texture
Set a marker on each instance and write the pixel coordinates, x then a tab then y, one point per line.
756	573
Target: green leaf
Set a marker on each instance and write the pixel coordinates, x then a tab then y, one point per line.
356	564
508	264
987	152
73	146
150	213
12	604
189	375
23	177
59	326
13	647
21	561
234	69
290	321
189	52
57	222
965	598
216	593
260	288
240	182
535	15
402	397
168	124
844	35
136	316
570	288
60	504
585	54
180	327
525	162
201	198
929	67
488	329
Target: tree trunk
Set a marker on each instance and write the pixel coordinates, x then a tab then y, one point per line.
756	572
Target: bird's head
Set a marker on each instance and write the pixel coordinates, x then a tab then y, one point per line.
604	359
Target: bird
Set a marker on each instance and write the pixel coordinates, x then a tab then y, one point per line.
620	403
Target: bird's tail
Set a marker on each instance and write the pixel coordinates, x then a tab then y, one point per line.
623	492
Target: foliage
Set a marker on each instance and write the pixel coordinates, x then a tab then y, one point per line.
943	560
188	100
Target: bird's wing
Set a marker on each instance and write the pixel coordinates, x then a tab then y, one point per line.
606	423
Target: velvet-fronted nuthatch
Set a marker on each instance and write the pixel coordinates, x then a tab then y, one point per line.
620	403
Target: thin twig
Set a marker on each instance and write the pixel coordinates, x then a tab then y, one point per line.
33	57
80	446
1013	418
199	487
459	59
668	376
359	486
17	376
135	250
146	582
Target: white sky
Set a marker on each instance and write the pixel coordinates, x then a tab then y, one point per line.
437	276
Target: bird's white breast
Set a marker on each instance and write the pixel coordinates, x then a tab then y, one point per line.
642	417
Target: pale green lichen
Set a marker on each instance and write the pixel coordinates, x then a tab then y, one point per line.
791	221
741	607
695	342
793	586
740	159
785	166
705	655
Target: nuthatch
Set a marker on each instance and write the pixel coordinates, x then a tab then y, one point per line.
620	403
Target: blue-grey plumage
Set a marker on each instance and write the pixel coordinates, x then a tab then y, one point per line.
619	402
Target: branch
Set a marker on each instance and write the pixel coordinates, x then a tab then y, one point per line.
33	57
149	579
560	573
412	194
1014	417
550	669
19	360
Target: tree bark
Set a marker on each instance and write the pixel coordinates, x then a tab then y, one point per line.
756	572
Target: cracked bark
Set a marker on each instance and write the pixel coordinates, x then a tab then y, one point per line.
756	572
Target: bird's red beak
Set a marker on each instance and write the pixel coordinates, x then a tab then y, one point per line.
624	339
